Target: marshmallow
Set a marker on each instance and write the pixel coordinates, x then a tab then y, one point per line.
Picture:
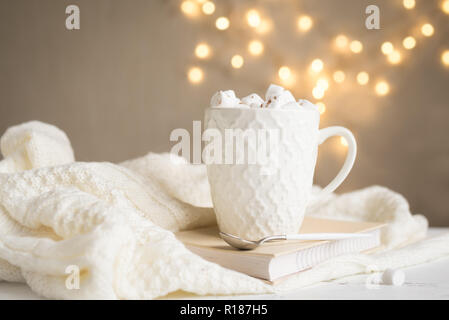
224	99
273	90
290	105
277	97
393	277
307	104
253	100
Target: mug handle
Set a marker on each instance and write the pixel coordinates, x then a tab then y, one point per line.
350	156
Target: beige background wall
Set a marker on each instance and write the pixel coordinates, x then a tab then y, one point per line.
118	85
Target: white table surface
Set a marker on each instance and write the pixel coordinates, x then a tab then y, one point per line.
425	281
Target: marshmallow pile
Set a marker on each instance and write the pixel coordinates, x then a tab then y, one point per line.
276	97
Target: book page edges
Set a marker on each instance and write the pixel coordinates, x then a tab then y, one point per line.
209	239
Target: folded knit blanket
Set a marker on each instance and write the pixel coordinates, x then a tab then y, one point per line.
116	222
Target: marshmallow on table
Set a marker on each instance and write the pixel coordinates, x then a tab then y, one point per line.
393	277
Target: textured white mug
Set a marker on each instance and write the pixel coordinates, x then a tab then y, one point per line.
253	200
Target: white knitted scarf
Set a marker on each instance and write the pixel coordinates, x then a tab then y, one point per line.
116	222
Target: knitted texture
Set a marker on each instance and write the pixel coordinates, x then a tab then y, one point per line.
116	223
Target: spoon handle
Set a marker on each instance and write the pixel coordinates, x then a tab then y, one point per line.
326	236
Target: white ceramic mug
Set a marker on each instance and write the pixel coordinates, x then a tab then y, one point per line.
252	204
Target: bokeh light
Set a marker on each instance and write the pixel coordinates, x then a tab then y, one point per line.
255	47
321	107
339	76
208	7
237	61
253	18
395	57
322	83
284	73
318	93
316	65
195	75
305	23
445	6
202	50
409	42
427	30
265	26
222	23
341	42
382	88
387	48
409	4
445	58
362	78
356	46
189	8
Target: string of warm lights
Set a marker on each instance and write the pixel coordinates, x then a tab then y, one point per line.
317	70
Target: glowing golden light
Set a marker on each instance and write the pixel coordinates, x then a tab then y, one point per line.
255	47
387	48
208	8
305	23
318	93
253	18
341	41
322	83
445	58
222	23
202	50
264	26
394	57
290	81
339	76
316	65
409	43
409	4
343	142
237	61
445	6
321	107
284	73
195	75
382	88
189	8
356	46
362	78
427	30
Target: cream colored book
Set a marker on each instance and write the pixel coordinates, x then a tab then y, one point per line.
276	260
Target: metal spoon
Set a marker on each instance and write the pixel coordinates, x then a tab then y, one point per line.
243	244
